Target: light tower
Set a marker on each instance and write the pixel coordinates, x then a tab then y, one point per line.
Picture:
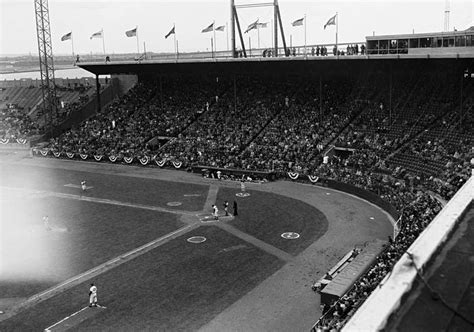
45	51
446	16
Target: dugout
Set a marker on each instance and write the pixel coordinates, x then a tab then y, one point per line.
346	279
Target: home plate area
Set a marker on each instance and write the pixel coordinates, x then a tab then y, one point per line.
75	319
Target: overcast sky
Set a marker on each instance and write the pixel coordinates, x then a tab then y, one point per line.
155	18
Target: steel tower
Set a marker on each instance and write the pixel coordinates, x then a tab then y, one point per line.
45	51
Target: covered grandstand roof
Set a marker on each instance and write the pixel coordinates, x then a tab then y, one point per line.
299	64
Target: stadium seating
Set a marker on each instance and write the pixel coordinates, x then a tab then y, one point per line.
19	105
411	145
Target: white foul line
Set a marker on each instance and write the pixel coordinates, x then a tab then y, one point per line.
35	299
48	329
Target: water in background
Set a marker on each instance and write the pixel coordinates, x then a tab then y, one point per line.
58	73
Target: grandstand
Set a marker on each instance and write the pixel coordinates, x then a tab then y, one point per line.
395	130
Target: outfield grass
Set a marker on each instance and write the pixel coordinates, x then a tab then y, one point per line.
117	187
83	235
178	286
266	216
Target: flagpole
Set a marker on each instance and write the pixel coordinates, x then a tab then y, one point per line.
337	26
227	35
103	41
72	45
174	41
258	35
305	34
212	48
138	45
271	29
214	32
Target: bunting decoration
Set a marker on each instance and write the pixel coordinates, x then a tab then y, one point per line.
4	141
44	153
98	158
293	175
144	160
113	158
160	163
313	178
21	140
177	164
128	160
70	155
83	156
57	154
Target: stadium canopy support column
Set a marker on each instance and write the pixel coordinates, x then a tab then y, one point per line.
320	98
390	98
97	87
461	115
161	91
235	95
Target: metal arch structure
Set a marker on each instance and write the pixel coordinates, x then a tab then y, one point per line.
45	51
234	20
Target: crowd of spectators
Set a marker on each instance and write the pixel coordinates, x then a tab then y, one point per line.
218	137
15	124
127	127
288	124
415	216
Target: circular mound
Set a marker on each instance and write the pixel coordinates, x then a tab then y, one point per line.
196	239
290	235
242	194
174	203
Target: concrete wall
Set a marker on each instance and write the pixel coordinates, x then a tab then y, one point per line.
374	314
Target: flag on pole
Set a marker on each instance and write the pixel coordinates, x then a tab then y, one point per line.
298	22
172	32
262	25
67	36
131	33
98	34
221	28
331	21
252	26
209	28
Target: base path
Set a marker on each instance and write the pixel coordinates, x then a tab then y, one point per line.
76	280
74	319
284	301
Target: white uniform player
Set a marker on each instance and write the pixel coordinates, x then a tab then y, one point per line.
215	212
242	186
93	296
83	185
